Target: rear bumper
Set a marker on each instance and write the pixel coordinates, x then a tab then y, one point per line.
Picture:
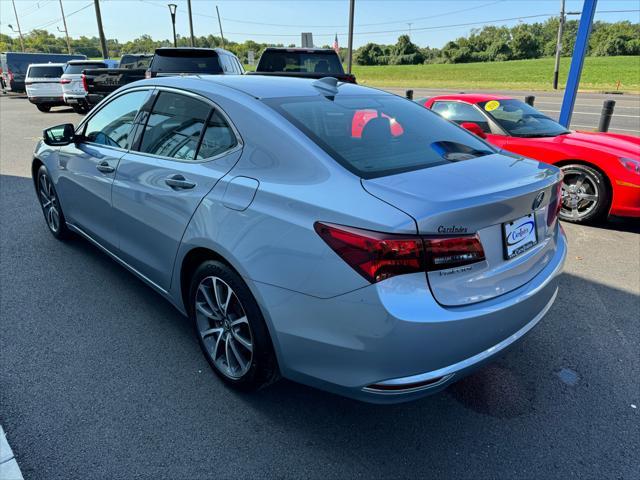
53	101
392	342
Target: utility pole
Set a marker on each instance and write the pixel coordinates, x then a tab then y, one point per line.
350	52
220	24
103	41
556	69
66	32
18	25
190	23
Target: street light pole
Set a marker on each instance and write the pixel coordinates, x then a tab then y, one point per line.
66	32
190	23
172	10
350	52
18	24
556	68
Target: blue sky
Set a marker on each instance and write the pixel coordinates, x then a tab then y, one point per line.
433	22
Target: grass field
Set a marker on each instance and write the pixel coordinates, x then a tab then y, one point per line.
598	74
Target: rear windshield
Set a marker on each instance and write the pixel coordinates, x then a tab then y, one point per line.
186	63
378	135
45	72
304	62
135	61
79	67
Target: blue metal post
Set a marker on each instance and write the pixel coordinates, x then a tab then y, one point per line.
579	52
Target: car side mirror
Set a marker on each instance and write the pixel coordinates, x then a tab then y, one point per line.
474	128
59	135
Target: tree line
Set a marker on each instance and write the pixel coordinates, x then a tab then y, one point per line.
487	44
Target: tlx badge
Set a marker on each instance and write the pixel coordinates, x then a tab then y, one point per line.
538	200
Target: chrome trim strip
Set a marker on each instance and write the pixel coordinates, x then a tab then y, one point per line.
116	258
450	370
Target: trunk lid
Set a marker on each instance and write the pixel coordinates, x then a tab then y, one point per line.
479	196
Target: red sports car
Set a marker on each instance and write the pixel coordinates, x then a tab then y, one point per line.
601	170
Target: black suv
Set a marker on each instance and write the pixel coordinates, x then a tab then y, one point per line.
193	61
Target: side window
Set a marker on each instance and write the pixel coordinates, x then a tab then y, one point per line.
239	66
461	112
218	137
112	124
225	63
174	126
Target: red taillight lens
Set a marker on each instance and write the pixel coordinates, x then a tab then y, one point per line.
554	206
84	83
10	73
377	256
444	253
65	81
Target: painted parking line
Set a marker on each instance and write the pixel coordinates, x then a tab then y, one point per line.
578	104
591	113
612	129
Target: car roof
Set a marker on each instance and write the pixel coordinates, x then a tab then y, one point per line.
260	86
49	64
299	49
218	50
81	62
469	97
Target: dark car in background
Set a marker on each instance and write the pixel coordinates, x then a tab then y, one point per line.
100	82
14	66
193	61
303	63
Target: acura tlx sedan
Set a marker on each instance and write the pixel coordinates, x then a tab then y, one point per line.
329	233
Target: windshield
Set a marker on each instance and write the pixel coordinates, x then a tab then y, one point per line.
520	119
135	61
74	68
300	62
377	135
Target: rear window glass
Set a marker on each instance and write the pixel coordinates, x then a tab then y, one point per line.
377	135
135	62
45	72
304	62
73	68
186	64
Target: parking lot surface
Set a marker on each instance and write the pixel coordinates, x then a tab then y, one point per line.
101	378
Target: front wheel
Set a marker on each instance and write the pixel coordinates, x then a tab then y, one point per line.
230	328
585	194
51	205
43	108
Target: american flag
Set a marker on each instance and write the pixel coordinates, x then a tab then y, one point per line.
336	47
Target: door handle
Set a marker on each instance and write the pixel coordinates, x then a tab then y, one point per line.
178	182
104	167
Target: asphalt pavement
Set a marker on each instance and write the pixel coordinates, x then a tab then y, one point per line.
101	378
586	112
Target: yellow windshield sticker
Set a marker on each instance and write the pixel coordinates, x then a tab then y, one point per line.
492	105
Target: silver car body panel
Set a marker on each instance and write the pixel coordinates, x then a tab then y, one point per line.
256	206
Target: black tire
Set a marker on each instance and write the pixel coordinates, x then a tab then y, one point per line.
47	193
43	108
585	194
262	367
80	109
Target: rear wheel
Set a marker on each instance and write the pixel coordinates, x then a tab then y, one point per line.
585	194
81	109
230	328
50	205
43	108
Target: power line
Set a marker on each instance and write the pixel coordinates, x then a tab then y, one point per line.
53	22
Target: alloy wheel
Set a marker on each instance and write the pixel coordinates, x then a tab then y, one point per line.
580	194
224	328
49	202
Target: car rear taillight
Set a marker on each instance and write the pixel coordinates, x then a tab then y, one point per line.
10	73
378	256
65	81
84	83
554	206
350	78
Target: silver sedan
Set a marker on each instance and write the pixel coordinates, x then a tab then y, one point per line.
329	233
